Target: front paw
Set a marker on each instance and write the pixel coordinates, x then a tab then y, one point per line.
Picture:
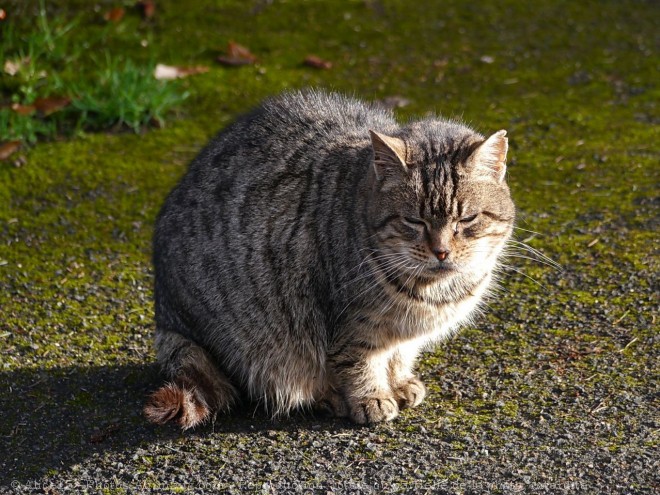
410	393
373	410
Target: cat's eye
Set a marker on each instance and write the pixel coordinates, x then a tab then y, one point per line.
415	222
468	219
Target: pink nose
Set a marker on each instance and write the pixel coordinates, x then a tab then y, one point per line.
441	254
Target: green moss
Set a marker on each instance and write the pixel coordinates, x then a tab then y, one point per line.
510	408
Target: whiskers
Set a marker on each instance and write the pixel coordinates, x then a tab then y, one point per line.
510	268
521	250
383	265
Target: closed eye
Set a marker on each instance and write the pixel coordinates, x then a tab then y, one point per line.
415	222
468	219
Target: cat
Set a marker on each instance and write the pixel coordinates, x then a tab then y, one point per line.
313	249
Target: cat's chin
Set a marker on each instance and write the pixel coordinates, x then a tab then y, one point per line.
443	270
436	273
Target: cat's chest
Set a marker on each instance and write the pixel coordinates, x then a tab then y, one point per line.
413	319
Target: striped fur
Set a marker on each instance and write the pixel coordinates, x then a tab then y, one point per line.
298	262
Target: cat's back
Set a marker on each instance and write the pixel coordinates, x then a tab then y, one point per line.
287	134
323	114
267	168
288	129
271	149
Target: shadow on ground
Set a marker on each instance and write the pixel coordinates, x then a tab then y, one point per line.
53	419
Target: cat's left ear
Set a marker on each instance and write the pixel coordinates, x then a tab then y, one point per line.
389	154
490	157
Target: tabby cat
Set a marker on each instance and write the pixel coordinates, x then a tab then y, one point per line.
312	249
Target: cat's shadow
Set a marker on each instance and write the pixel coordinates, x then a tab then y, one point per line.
53	419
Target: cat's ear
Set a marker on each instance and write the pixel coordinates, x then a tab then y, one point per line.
490	157
389	154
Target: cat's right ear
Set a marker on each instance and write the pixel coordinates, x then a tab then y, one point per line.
389	154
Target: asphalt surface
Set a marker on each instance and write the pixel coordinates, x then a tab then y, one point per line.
515	406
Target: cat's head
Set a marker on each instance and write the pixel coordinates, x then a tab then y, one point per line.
439	204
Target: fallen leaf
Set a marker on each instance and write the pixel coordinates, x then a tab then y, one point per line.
114	15
147	8
108	431
236	50
168	72
237	55
12	67
51	105
191	71
9	148
317	62
23	109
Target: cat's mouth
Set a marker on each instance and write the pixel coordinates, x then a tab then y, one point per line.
443	269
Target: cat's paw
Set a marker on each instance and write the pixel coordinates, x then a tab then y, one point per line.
410	393
373	410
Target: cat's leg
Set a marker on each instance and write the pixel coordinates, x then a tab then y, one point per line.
197	389
362	377
331	402
408	388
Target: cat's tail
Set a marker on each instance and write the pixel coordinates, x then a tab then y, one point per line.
197	390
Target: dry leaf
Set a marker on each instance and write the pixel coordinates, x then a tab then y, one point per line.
12	67
239	51
191	71
9	148
23	109
114	15
167	72
108	431
51	105
317	62
237	55
147	8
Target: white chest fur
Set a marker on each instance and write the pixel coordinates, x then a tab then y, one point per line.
436	321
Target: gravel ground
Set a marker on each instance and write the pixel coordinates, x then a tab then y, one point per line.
514	407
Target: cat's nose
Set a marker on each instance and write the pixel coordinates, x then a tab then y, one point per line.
440	253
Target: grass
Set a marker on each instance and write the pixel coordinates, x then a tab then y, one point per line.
110	93
124	94
26	128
